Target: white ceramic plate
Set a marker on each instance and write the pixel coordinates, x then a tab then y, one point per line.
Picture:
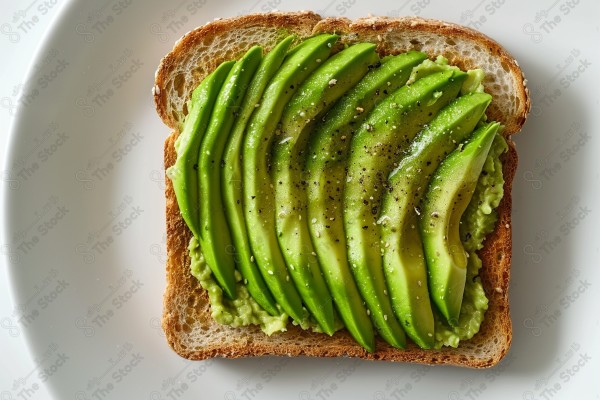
84	233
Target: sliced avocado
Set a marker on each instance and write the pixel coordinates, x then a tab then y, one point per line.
374	149
325	176
447	197
259	202
184	173
231	178
216	243
314	97
403	260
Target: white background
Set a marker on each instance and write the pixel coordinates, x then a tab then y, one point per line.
555	352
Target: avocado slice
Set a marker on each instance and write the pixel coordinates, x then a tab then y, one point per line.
374	149
259	204
313	98
325	174
231	178
403	260
447	197
216	242
184	173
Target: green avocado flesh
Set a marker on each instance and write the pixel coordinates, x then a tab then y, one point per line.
450	191
304	174
231	177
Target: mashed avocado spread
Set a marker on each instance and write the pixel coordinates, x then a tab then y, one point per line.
478	221
242	311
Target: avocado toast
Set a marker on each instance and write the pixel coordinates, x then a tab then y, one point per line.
191	329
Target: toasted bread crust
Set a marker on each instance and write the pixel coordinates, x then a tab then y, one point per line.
414	32
300	24
419	31
187	316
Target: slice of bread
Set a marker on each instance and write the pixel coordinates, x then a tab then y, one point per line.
189	327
